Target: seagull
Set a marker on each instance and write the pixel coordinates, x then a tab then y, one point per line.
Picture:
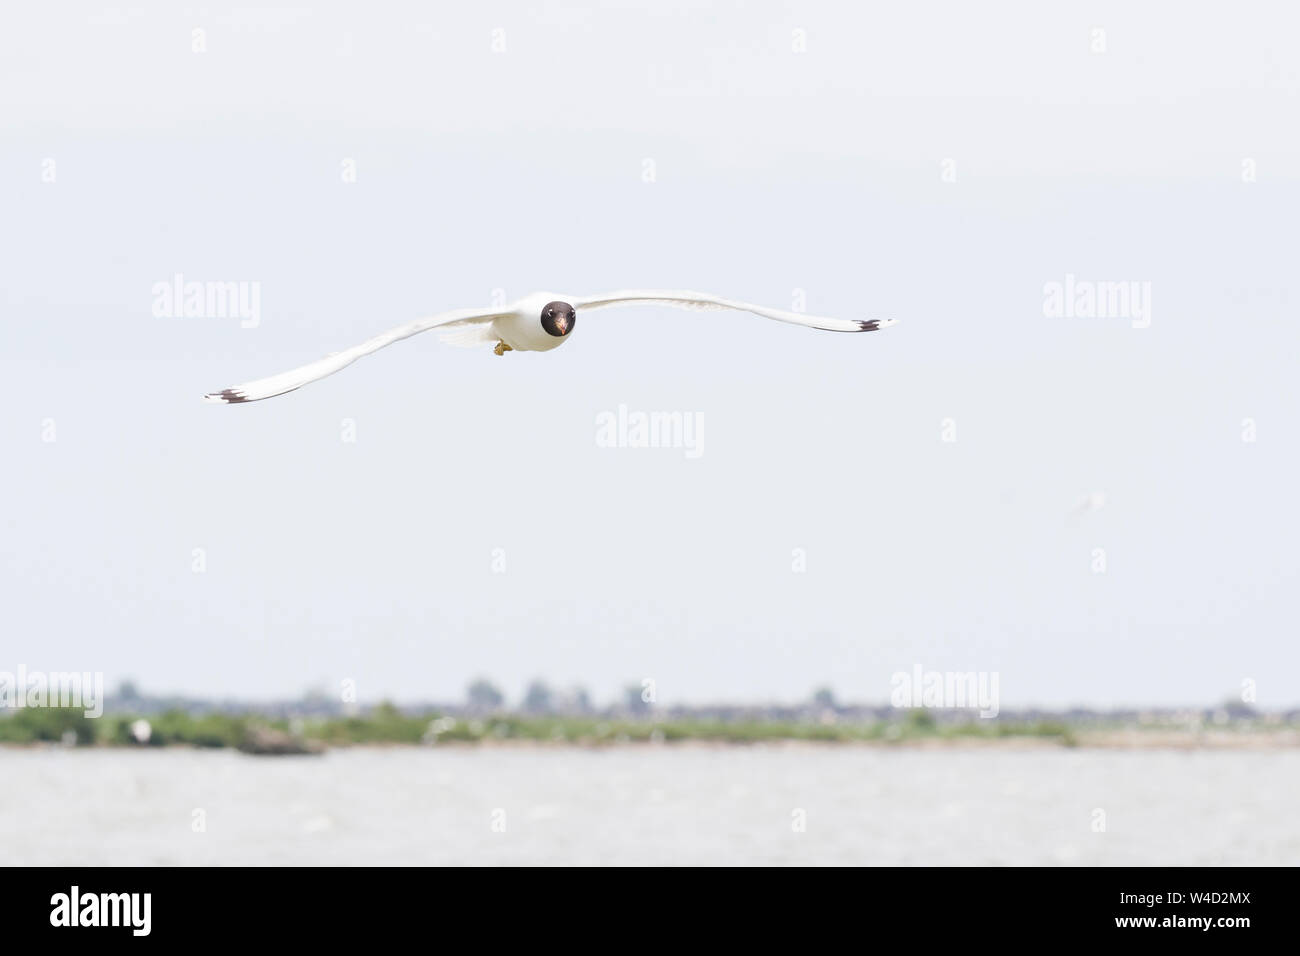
536	323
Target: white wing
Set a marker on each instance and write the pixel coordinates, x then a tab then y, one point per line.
462	322
683	299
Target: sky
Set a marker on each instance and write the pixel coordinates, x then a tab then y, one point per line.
856	504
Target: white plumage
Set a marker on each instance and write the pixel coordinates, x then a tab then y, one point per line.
536	323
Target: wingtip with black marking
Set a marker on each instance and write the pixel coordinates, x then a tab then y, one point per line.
873	325
227	396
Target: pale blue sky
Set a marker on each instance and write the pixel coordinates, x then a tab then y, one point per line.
775	171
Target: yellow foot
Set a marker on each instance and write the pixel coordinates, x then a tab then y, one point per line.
502	348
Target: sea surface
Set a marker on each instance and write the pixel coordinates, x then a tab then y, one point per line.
651	805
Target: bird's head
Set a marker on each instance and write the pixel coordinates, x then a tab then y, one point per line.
558	318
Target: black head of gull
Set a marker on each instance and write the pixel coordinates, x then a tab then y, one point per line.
558	318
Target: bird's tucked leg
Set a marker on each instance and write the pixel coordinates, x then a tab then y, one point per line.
502	348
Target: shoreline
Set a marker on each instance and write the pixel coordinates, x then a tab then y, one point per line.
1115	740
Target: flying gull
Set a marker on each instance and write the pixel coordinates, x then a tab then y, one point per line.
536	323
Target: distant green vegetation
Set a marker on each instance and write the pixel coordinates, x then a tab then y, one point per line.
546	715
386	724
47	725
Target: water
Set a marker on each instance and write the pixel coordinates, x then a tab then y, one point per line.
651	805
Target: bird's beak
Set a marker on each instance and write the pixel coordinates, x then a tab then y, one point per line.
562	323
